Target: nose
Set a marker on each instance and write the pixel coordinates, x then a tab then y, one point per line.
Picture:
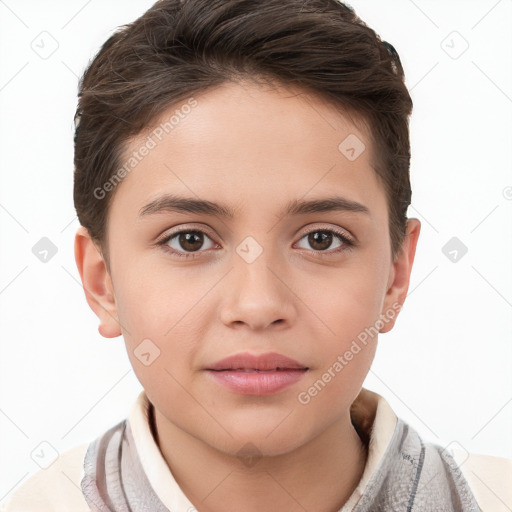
258	294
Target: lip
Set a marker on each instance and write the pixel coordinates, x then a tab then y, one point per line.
263	362
259	375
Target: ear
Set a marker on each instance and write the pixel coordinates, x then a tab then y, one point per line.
399	276
97	283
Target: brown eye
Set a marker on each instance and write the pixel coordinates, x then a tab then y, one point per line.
186	242
190	240
321	240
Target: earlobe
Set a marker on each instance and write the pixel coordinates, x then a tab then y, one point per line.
97	283
401	273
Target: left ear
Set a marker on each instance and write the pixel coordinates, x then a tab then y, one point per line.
399	276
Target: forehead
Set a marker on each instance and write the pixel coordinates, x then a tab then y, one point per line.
243	139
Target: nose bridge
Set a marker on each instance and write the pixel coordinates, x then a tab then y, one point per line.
255	294
256	264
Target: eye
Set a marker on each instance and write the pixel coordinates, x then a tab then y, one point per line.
321	239
184	243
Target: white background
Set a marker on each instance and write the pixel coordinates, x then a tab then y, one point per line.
446	367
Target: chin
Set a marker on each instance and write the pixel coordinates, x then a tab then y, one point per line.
263	440
249	450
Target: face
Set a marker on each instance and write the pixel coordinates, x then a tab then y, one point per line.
261	273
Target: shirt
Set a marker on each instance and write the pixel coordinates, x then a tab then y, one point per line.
396	476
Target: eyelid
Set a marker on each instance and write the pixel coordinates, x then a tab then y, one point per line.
335	229
184	227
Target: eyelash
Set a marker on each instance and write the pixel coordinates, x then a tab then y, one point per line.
348	243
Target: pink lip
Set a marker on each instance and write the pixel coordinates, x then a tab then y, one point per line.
259	375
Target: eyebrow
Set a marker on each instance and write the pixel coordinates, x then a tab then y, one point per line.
172	203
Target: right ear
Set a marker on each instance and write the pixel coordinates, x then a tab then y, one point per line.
97	283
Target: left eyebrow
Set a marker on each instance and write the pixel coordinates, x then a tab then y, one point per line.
172	203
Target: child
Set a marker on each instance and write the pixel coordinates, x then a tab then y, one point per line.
273	135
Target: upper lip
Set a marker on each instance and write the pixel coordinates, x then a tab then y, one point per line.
267	361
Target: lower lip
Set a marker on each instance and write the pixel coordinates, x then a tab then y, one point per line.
257	383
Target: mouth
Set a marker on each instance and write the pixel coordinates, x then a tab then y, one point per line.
257	375
268	362
255	370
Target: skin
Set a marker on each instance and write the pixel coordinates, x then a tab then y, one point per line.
251	148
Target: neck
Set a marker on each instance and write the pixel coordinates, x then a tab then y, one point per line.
320	475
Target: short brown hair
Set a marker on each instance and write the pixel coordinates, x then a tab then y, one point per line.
177	48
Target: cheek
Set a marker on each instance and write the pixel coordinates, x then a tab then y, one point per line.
347	343
160	318
150	305
350	300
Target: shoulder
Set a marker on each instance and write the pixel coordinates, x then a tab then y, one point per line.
54	489
489	477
